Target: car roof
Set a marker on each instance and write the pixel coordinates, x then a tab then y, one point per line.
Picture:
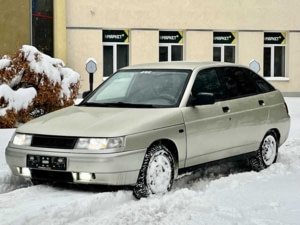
179	65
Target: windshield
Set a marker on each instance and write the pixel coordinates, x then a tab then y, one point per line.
141	88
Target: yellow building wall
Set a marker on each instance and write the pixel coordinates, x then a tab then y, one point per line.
83	44
175	14
14	25
291	84
144	46
250	45
60	32
198	45
197	19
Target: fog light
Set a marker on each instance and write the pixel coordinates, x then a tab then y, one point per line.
85	176
24	171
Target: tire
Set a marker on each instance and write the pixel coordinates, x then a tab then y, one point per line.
266	154
156	174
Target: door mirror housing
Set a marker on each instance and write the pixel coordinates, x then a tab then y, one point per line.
203	98
86	93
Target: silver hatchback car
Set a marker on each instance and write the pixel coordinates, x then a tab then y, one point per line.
149	123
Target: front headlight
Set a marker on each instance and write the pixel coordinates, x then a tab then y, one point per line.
100	143
22	139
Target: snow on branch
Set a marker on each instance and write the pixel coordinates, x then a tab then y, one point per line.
32	84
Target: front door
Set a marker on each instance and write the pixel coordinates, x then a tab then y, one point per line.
208	127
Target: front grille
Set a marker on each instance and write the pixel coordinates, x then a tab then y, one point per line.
54	176
53	142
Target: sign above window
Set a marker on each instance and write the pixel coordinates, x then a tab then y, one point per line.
171	37
224	38
275	38
115	36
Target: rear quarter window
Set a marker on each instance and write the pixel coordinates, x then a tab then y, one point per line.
240	82
262	85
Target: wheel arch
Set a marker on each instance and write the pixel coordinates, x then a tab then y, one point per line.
276	132
171	146
258	162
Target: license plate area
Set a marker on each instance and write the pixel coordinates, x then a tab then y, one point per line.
47	162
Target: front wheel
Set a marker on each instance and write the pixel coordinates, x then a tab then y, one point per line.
156	174
267	153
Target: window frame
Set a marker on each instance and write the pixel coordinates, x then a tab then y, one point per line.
169	46
222	46
115	54
170	43
223	39
272	63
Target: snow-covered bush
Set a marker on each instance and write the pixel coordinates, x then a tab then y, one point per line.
32	84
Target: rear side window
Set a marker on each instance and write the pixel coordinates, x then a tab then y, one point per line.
261	84
207	81
238	83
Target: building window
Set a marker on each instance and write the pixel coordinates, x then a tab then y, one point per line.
224	47
170	46
115	50
274	54
42	26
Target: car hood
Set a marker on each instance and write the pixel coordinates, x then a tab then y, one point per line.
102	122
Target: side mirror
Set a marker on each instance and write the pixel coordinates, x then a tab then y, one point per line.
203	99
86	93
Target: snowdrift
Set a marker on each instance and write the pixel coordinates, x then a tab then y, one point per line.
32	84
222	195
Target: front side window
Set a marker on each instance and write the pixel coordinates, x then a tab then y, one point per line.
115	50
207	81
145	88
274	54
170	46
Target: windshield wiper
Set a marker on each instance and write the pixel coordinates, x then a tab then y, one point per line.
118	104
92	104
130	105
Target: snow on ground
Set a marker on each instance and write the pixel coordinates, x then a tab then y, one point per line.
243	197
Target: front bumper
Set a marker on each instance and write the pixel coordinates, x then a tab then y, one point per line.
120	168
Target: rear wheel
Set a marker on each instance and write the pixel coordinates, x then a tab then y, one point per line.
267	153
156	174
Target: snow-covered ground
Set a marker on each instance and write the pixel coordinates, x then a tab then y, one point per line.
242	197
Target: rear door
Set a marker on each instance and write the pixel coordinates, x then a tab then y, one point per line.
248	109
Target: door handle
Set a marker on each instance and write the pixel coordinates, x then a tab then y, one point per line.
261	102
226	109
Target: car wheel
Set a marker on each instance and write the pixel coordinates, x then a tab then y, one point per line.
156	174
266	154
